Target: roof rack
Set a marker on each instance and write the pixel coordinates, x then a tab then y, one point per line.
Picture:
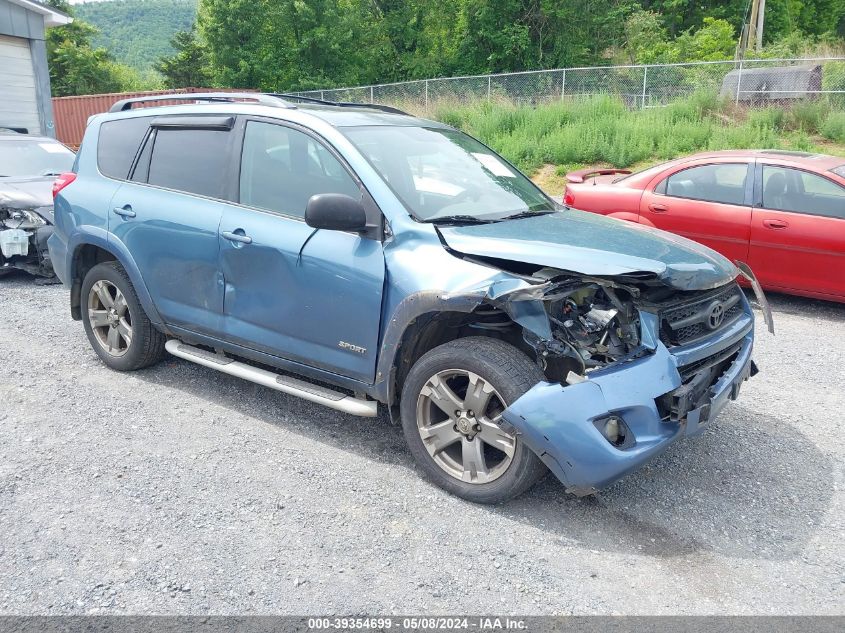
339	104
262	99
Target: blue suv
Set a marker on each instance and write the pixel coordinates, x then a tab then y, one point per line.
352	255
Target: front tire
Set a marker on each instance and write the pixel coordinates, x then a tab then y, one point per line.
116	324
451	404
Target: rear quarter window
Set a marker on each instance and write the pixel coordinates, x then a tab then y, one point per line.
117	145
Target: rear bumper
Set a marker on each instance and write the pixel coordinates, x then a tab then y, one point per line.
58	256
561	423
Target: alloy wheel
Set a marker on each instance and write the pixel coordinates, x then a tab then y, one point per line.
458	416
109	317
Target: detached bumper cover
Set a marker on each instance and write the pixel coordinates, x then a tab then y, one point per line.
557	422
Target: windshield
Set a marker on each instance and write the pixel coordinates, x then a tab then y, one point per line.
441	174
24	158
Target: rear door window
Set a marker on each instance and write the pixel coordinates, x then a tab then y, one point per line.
722	182
117	145
786	189
191	160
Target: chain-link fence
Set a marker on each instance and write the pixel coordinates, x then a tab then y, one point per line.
752	82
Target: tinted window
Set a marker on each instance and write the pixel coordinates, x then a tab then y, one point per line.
118	144
723	183
787	189
193	161
281	168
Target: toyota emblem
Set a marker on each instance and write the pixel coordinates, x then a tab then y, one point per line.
716	315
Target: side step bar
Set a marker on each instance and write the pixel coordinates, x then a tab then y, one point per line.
293	386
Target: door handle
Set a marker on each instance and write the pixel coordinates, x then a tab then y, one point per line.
237	236
125	211
658	208
775	224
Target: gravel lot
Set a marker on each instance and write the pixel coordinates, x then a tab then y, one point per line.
181	490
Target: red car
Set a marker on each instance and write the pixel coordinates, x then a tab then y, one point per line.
781	212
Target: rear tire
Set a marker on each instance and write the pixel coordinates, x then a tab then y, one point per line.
451	401
116	324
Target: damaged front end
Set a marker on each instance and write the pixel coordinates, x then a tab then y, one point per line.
631	366
25	227
642	336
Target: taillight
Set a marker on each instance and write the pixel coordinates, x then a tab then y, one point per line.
568	198
62	181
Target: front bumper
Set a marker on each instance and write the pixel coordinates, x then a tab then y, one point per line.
37	258
559	422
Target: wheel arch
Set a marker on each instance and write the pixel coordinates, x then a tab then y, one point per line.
426	320
92	250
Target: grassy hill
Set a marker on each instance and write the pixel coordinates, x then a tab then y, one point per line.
138	32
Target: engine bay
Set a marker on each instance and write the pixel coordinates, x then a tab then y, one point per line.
23	241
592	326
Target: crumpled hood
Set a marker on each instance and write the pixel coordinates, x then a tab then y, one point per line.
35	194
594	245
26	194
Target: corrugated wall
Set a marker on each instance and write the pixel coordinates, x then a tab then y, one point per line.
71	113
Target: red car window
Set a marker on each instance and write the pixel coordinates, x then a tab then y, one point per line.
786	189
721	182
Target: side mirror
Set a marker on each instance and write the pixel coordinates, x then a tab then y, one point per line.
335	212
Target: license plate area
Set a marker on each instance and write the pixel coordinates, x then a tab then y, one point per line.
698	378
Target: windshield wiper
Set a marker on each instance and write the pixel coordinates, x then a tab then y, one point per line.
526	214
458	219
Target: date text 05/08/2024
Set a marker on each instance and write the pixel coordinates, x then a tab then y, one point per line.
421	623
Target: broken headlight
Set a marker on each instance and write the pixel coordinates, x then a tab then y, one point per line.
20	219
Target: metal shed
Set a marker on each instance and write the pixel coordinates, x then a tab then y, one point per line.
783	83
24	77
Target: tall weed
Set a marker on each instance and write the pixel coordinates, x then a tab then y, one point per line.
602	129
834	127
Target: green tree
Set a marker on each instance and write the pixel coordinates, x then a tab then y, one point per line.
682	15
415	38
714	41
188	66
294	44
138	32
646	39
78	68
302	44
